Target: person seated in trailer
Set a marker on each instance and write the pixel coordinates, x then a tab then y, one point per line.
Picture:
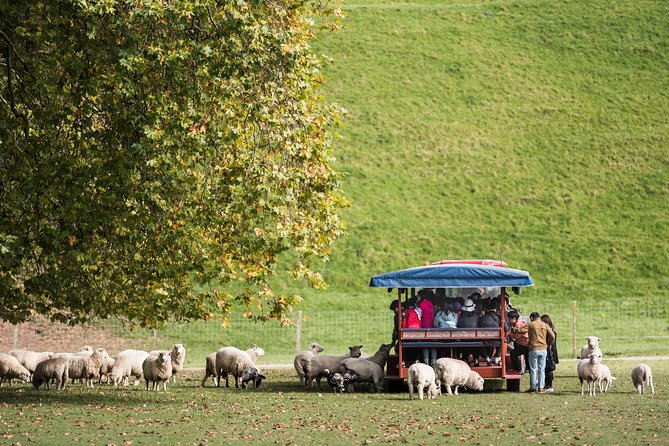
447	315
468	317
396	323
490	319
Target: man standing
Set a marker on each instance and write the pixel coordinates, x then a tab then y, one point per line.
540	335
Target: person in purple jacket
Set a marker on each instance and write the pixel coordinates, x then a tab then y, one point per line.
427	321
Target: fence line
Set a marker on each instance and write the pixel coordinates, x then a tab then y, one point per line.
626	329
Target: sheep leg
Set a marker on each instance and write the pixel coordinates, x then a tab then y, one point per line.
652	388
420	392
410	390
581	380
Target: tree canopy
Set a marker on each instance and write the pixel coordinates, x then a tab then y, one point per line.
149	148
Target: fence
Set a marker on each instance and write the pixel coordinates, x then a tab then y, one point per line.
625	329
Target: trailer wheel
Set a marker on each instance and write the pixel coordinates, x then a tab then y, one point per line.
513	385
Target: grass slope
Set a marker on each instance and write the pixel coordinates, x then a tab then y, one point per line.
535	132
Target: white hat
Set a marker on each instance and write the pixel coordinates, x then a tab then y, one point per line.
469	305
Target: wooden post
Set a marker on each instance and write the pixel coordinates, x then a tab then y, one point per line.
155	338
573	329
298	332
15	338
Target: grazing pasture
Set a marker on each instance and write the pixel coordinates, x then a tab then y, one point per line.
280	413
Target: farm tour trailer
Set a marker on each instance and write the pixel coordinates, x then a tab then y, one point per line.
453	279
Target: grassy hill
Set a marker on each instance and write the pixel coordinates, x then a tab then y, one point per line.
535	132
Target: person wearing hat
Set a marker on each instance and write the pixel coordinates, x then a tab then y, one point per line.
468	317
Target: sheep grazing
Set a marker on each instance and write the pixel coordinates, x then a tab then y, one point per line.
315	367
30	359
336	380
86	366
128	363
178	354
590	371
454	372
350	377
51	369
605	376
157	369
642	377
422	376
591	348
210	365
11	368
302	358
238	363
369	369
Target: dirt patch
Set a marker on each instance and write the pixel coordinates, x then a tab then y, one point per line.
44	335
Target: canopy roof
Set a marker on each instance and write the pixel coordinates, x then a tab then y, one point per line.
453	276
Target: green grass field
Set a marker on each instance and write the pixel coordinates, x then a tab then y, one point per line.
280	413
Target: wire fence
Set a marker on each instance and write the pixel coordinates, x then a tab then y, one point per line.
625	329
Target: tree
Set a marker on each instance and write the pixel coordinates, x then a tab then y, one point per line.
151	147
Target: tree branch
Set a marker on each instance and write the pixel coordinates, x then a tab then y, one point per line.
11	50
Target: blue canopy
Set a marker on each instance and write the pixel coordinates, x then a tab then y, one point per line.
453	276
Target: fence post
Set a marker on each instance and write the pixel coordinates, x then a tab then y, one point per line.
298	332
573	329
155	338
15	338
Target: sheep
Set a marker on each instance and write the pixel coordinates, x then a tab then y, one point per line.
302	358
591	348
231	360
210	364
454	372
421	376
178	354
317	364
369	369
52	368
106	368
642	377
590	371
157	369
30	359
336	380
605	376
86	367
11	368
128	363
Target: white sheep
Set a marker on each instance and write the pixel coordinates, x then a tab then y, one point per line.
157	369
11	368
178	354
369	369
86	366
591	348
210	364
589	370
301	359
128	363
605	376
642	376
238	363
29	359
421	376
316	366
51	369
454	372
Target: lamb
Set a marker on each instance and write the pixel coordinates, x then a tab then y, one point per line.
157	369
210	364
642	377
336	380
52	368
11	368
128	363
30	359
369	369
421	376
315	367
231	360
590	371
178	354
454	372
591	348
86	367
605	376
302	358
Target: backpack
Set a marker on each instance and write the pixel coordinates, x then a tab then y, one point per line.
410	319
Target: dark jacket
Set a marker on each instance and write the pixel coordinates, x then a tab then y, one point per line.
490	319
468	319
